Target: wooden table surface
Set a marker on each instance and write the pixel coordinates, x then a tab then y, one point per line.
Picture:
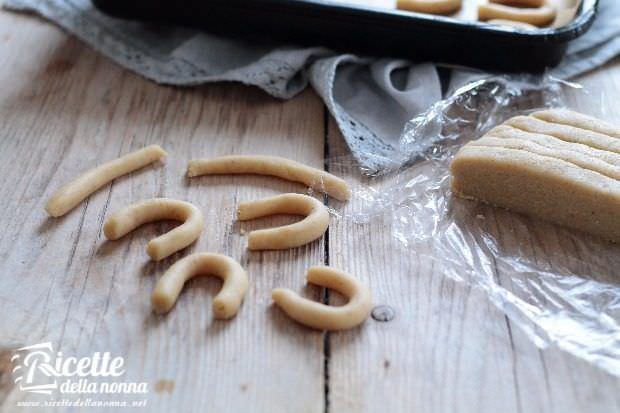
64	108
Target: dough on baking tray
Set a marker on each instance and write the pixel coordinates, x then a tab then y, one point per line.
538	16
430	6
567	173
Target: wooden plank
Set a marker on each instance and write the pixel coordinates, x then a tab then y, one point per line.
448	349
64	109
430	357
571	384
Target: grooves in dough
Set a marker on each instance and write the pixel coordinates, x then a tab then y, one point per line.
430	6
312	227
131	217
70	195
505	131
579	120
565	132
325	317
576	158
225	304
540	16
316	179
569	183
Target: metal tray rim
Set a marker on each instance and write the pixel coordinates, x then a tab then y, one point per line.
574	29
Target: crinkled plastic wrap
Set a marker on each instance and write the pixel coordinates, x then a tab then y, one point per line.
552	282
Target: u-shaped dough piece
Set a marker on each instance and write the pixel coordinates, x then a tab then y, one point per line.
539	16
274	166
321	316
225	304
288	236
131	217
430	6
70	195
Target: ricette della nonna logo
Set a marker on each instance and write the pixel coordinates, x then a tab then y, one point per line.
40	369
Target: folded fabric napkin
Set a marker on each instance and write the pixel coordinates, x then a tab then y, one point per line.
370	99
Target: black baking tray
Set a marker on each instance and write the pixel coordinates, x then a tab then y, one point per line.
368	30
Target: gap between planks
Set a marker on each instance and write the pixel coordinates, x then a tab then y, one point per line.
325	295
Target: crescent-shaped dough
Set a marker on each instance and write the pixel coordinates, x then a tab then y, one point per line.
321	316
131	217
70	195
274	166
430	6
225	304
288	236
539	16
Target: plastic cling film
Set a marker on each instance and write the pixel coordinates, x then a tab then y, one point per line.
552	282
474	105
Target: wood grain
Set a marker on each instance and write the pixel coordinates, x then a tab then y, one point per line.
65	109
448	349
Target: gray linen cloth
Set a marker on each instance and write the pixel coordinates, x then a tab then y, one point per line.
371	99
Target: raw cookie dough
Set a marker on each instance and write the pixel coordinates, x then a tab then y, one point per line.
70	195
539	16
225	304
312	227
429	6
322	316
131	217
316	179
548	175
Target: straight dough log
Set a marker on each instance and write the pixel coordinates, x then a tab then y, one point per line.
316	179
71	194
570	182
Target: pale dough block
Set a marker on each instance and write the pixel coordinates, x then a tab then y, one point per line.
540	186
556	164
